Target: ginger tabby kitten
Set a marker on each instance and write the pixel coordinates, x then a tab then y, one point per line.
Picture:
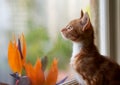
90	66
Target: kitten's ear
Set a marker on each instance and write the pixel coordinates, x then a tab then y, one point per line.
85	22
81	14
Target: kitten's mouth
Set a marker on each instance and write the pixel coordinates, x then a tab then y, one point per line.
67	37
63	35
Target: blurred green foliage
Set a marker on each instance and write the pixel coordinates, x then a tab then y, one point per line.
39	44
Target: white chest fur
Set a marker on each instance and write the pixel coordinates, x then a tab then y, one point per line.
76	49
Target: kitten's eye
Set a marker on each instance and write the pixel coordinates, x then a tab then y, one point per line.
69	27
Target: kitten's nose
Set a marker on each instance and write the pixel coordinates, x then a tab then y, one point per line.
63	30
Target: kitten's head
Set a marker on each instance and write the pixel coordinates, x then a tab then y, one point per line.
79	29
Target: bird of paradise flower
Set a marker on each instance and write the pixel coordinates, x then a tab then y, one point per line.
17	61
17	54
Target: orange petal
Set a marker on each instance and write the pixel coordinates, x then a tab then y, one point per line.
14	58
39	73
23	45
30	72
35	74
53	73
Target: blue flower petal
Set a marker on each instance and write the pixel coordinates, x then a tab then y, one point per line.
62	81
15	75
